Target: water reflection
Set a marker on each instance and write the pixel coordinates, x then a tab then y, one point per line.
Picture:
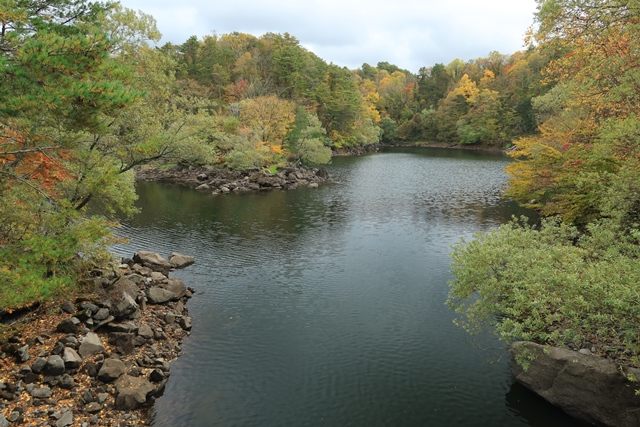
326	307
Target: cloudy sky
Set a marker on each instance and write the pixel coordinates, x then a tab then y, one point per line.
409	33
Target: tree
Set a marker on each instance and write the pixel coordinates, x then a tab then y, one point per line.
269	118
83	99
590	118
308	141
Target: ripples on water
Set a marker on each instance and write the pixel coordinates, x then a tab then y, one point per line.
326	307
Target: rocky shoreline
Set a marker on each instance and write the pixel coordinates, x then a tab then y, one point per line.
222	181
417	144
357	151
103	358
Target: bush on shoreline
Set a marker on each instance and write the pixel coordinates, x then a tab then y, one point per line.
552	285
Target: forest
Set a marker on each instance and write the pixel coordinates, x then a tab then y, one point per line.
89	95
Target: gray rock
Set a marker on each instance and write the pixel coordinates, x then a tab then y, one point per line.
184	322
126	307
3	421
132	392
145	331
38	365
123	341
69	326
91	344
67	381
156	276
70	341
203	187
65	420
101	314
106	321
124	327
125	284
585	386
72	359
176	286
68	307
158	295
111	370
179	260
54	366
15	417
41	393
22	355
88	305
93	407
152	260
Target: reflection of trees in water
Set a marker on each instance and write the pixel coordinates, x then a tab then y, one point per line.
277	214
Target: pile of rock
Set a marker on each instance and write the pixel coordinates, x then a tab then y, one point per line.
222	181
109	351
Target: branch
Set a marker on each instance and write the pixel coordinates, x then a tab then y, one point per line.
30	184
28	150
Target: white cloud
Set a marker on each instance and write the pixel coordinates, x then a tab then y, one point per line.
409	33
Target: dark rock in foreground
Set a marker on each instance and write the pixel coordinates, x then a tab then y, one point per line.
104	358
585	386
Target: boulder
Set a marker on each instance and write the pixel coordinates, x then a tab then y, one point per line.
125	284
158	295
91	344
145	331
101	314
54	366
184	322
22	354
65	420
158	277
122	341
93	407
126	307
132	392
88	305
67	381
585	386
69	326
179	260
71	358
111	370
176	286
38	365
68	307
41	393
152	260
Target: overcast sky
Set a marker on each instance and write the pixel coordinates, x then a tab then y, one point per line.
408	33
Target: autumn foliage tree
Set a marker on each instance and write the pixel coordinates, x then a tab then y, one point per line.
75	119
589	135
573	280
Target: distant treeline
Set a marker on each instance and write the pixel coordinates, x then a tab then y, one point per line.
483	101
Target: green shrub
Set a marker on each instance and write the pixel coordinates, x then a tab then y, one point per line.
552	285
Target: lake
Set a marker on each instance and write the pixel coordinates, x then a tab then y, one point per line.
326	307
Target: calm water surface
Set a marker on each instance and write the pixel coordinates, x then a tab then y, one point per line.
326	307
